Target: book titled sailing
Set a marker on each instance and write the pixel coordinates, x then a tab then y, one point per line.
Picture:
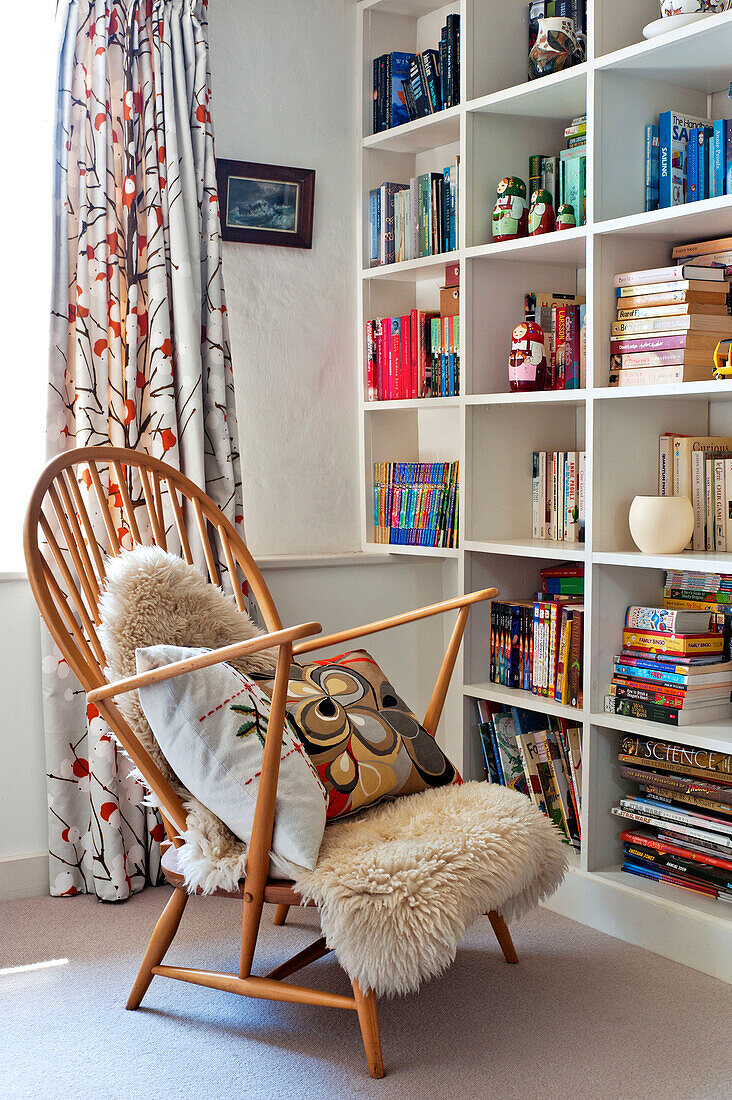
674	130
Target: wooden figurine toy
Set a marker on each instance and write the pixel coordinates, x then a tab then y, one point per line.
565	217
541	214
510	214
527	365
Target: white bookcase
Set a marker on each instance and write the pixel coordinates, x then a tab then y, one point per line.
502	119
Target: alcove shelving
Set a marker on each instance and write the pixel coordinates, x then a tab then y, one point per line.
501	119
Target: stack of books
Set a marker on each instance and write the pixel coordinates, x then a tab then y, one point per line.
538	755
709	592
564	176
406	86
670	321
716	253
558	496
415	219
682	815
536	644
671	669
561	318
416	503
700	468
687	159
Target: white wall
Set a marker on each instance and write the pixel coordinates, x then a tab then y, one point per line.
283	93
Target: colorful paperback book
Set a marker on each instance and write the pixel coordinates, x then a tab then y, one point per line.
652	168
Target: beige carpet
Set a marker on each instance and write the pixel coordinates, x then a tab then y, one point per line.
583	1017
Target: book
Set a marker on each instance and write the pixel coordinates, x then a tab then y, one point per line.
665	620
654	376
646	816
647	839
670	756
720	326
661	642
666	813
701	248
672	716
652	168
690	341
674	273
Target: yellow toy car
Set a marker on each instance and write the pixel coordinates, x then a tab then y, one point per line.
722	362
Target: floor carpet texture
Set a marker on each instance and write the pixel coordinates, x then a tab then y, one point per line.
582	1017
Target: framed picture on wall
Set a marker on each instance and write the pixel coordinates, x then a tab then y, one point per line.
266	203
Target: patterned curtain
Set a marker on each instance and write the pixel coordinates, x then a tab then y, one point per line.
139	354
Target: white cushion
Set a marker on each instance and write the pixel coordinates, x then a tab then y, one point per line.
216	752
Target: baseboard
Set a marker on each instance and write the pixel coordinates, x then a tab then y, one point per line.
23	876
687	936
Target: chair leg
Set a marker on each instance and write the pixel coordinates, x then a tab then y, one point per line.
503	936
369	1021
160	941
281	914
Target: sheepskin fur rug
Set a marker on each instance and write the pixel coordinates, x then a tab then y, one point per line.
154	598
398	886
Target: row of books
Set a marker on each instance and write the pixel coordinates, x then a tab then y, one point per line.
407	86
416	355
566	9
564	176
416	503
687	159
671	668
669	322
536	644
681	815
539	756
558	496
561	318
700	468
407	221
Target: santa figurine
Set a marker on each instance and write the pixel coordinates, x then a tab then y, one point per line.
565	217
510	214
541	214
527	365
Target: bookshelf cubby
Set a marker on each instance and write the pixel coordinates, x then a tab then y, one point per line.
501	118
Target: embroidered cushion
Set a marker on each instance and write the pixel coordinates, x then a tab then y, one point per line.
211	726
365	742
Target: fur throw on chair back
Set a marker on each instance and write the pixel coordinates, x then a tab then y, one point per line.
154	598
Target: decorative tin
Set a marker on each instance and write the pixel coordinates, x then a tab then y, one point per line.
557	47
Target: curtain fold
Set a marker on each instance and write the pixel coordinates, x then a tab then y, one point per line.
139	355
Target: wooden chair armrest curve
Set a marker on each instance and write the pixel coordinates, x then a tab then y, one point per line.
396	620
204	660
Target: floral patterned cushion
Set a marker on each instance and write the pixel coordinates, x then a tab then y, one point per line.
365	742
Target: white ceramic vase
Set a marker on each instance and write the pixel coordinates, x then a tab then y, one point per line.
661	525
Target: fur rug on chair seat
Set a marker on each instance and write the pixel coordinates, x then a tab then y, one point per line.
398	885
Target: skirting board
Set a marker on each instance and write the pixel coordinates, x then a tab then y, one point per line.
23	876
691	938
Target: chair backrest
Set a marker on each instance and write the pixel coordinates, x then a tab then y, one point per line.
91	502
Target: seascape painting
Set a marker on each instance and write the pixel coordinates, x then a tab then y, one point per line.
262	204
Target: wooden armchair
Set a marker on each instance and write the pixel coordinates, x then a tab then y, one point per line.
66	571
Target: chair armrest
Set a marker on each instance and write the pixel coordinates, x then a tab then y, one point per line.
396	620
204	660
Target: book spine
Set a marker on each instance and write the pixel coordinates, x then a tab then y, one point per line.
720	527
719	155
674	784
728	156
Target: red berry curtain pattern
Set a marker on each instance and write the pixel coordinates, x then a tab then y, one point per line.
139	355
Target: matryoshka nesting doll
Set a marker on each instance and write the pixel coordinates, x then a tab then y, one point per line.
527	365
541	214
510	214
565	217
